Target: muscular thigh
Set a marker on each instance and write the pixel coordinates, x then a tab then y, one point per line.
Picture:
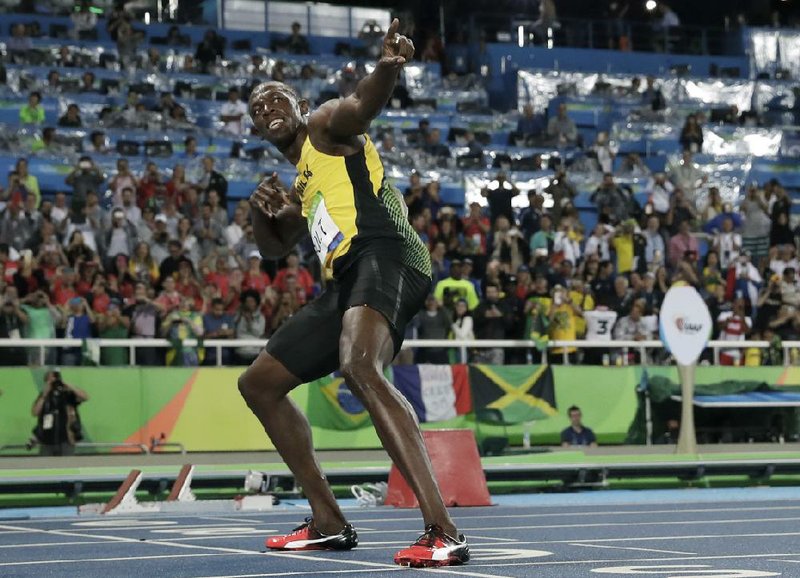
307	344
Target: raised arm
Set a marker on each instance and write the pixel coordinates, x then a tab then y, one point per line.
353	115
278	223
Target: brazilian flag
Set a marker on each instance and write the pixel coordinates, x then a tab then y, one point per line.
332	405
521	392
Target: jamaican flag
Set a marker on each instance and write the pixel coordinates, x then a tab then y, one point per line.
331	405
521	392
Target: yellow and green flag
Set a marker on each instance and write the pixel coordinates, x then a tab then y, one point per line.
521	392
332	405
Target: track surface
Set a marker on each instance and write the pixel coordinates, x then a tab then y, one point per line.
682	534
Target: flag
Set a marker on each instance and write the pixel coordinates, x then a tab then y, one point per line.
436	392
332	405
521	392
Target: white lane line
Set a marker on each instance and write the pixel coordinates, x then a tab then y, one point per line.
603	547
789	561
466	517
627	560
609	525
476	537
633	539
237	520
115	559
314	573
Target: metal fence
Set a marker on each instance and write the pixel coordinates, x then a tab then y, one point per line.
645	349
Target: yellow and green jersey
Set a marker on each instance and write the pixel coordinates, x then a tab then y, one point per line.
352	211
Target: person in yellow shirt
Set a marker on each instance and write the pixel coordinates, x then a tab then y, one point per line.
33	112
581	296
623	246
563	317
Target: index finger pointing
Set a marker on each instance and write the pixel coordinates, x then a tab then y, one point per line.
393	28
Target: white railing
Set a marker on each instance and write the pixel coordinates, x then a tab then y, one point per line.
625	347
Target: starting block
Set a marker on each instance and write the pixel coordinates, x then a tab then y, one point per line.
457	467
181	499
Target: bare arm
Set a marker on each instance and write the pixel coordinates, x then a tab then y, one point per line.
352	115
278	223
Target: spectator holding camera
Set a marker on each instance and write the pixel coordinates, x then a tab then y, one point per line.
58	425
563	326
85	177
250	324
492	320
78	320
181	324
42	319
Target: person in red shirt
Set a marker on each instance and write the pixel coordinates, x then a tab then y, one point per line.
169	299
220	277
303	277
151	186
187	285
476	229
99	297
9	267
292	288
64	287
255	278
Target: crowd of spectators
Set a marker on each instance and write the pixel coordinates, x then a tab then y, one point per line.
537	274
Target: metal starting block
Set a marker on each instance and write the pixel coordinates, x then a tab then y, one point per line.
181	499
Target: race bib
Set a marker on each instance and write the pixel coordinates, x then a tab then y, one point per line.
47	421
325	235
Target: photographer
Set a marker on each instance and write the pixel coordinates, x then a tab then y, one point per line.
58	425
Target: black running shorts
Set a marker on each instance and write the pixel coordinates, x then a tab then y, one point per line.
307	343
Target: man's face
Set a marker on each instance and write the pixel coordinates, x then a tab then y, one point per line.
276	112
233	96
141	292
788	276
608	181
292	261
218	309
169	284
455	271
492	295
575	417
562	110
620	286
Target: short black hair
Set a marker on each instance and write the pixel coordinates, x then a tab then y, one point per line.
573	408
264	85
217	301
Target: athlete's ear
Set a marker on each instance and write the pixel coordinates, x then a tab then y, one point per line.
304	107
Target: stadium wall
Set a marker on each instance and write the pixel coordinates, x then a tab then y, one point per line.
202	408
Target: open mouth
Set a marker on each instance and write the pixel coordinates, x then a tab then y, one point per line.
277	123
